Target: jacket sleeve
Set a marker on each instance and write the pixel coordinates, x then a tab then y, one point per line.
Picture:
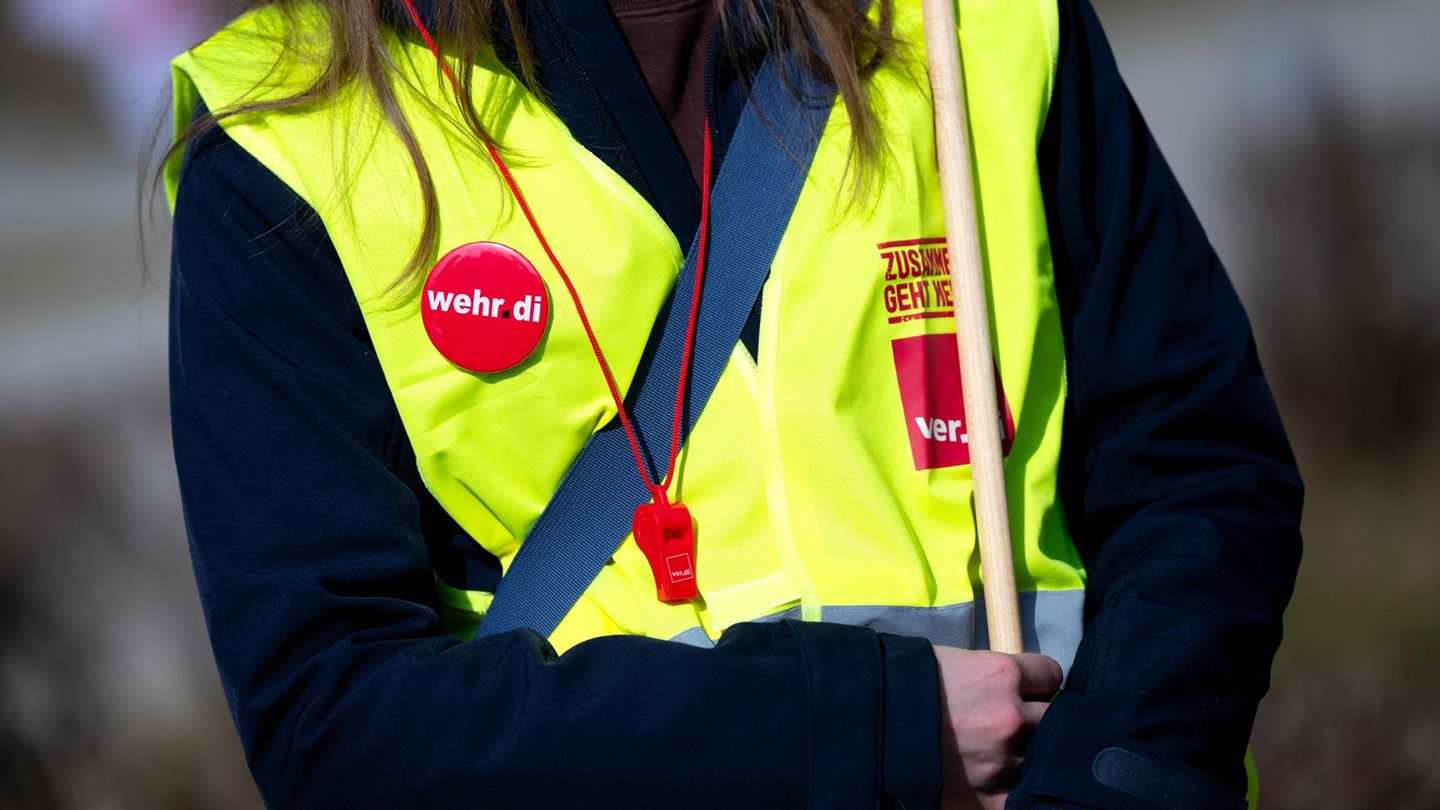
1177	479
306	536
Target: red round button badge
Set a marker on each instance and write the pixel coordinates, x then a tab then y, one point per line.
484	307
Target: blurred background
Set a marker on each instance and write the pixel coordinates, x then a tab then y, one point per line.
1307	133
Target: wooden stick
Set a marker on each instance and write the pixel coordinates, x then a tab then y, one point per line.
972	326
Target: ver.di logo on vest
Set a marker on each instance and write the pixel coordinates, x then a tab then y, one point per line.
932	396
485	307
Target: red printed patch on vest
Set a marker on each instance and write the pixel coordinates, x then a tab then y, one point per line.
915	274
928	368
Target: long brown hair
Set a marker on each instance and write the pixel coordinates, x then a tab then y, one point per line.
836	41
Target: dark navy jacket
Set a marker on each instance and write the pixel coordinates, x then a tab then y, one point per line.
314	541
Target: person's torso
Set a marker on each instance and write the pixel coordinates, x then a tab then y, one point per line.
827	476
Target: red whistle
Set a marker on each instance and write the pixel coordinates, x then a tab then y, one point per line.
664	532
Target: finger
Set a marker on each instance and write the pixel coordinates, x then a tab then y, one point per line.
994	801
1033	711
1040	676
997	771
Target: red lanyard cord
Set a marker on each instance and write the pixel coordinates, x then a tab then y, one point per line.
657	490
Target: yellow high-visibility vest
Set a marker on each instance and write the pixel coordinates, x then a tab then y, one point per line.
827	476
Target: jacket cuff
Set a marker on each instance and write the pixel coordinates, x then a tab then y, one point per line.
873	717
1073	763
910	754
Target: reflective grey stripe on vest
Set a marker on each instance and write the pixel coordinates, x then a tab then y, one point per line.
1052	622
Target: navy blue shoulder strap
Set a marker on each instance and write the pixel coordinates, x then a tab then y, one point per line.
750	207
